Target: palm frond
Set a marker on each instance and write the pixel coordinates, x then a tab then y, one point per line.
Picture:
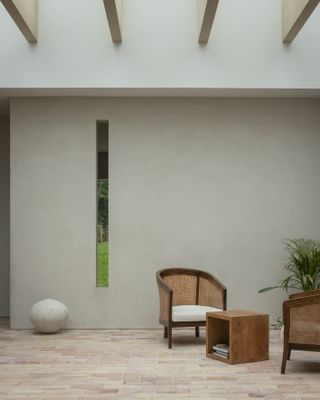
303	265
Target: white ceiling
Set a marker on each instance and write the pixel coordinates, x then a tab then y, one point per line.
159	49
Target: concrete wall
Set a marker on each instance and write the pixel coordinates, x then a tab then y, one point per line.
4	216
160	47
215	184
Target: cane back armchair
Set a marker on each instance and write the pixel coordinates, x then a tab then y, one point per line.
186	295
301	318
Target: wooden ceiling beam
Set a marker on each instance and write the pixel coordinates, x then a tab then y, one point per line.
206	13
295	13
114	16
25	15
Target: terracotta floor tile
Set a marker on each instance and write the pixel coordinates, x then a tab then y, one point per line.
136	364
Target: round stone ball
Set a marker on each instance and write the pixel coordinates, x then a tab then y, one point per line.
48	316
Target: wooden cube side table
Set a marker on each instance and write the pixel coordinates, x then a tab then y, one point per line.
246	333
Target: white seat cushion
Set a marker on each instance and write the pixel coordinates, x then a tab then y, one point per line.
191	313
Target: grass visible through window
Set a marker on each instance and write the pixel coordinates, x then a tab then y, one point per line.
103	265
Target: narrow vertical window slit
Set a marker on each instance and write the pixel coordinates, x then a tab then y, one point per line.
102	204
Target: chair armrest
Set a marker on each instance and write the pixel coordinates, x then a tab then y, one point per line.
165	299
304	294
301	301
295	303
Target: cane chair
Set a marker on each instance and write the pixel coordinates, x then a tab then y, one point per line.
186	295
301	318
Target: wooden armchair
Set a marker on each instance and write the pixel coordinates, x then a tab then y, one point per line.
186	295
301	318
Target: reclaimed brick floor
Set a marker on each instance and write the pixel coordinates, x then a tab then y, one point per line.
136	364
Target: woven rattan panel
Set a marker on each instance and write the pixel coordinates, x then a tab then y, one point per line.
164	304
210	294
305	324
184	288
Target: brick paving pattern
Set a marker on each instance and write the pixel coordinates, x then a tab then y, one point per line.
136	364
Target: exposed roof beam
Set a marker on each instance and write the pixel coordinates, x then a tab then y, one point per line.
295	13
114	15
206	12
25	15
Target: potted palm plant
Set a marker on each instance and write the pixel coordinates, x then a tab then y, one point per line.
303	266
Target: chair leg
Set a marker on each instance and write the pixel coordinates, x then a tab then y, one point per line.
165	332
289	353
197	331
170	337
285	357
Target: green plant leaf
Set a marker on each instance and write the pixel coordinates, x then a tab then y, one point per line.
267	289
303	265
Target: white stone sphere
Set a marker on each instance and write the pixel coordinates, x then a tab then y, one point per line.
48	316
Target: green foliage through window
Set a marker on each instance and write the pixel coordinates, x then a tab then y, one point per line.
102	234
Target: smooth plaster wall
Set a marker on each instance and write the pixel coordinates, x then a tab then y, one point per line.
4	216
212	183
160	47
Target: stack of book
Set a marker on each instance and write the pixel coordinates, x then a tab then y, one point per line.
221	350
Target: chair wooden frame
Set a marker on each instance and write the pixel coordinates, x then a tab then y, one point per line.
302	338
166	297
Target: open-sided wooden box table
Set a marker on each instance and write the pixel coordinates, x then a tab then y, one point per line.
246	333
